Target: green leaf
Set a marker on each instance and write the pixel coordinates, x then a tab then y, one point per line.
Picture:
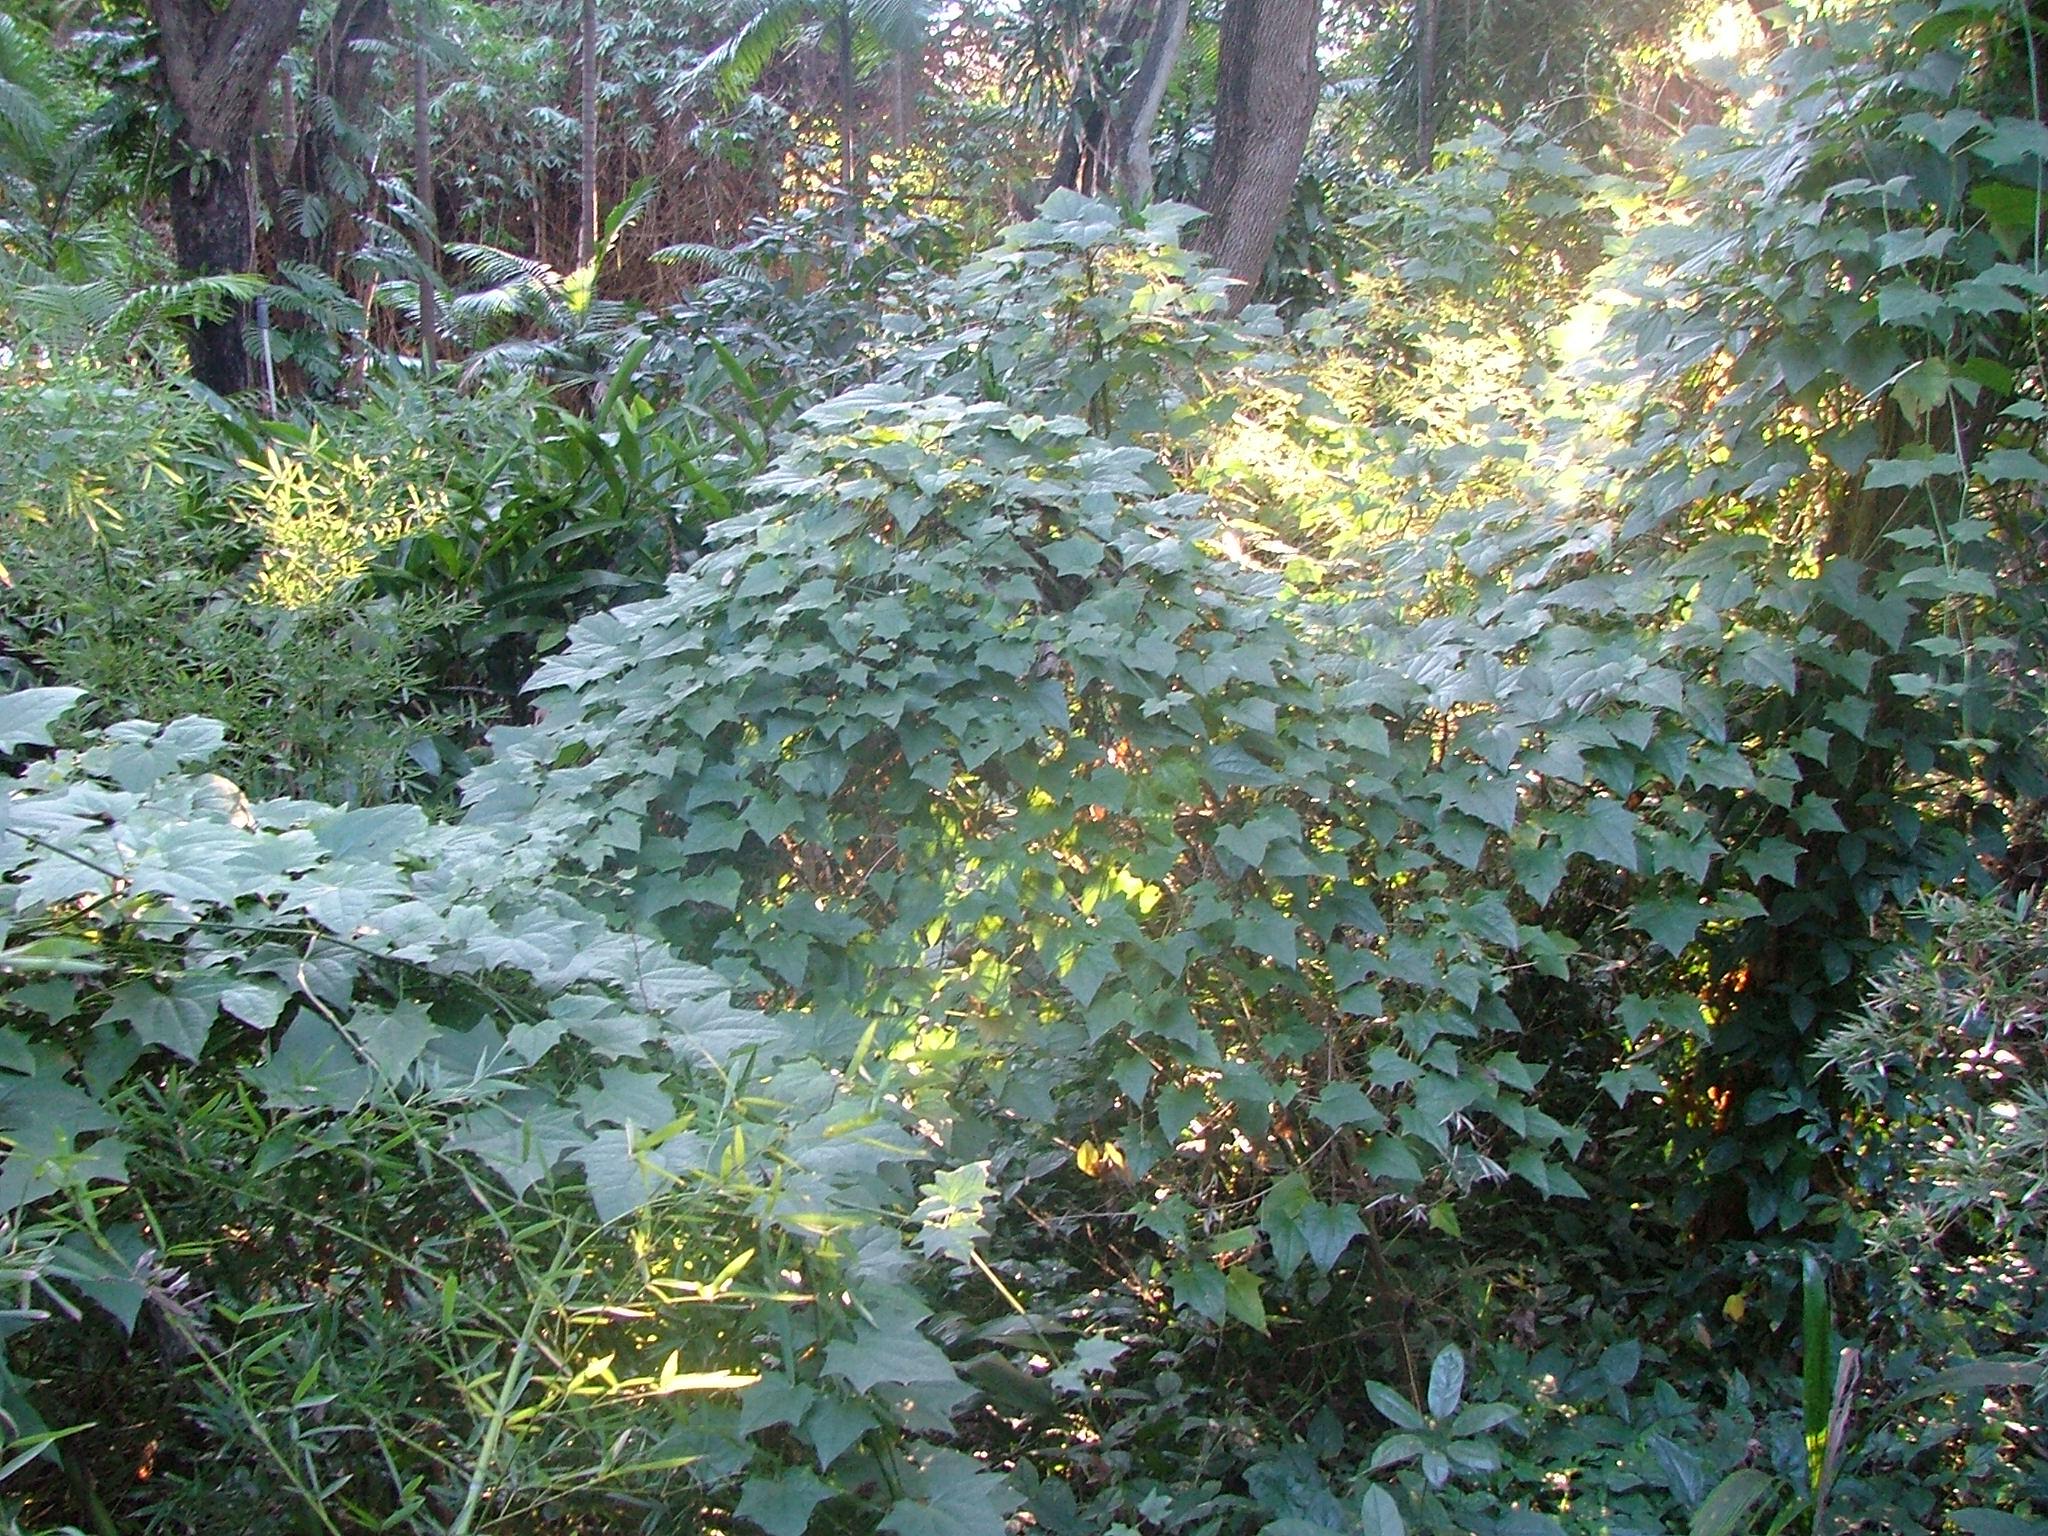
950	1494
782	1506
950	1215
1775	858
1817	1361
312	1067
1249	842
257	1004
898	1354
392	1039
1378	1515
1092	1356
718	888
1344	1104
1907	303
1908	473
520	1149
1605	829
2009	464
1672	923
1396	1449
1269	933
1328	1230
1388	1157
375	832
626	1096
1280	1218
1546	1176
1243	1297
1199	1288
2012	140
833	1426
1729	1508
1995	1522
1393	1407
1446	1381
26	716
623	1174
2013	209
178	1020
1683	1474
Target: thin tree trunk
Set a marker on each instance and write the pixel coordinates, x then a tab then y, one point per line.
1425	83
423	190
850	187
1267	84
1085	161
899	100
342	75
1130	132
586	207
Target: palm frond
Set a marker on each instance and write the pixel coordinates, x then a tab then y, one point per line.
727	264
523	355
502	268
897	26
734	65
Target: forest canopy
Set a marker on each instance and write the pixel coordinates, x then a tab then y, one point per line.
1110	767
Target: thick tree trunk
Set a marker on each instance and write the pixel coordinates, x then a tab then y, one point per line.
1267	84
216	68
586	206
1130	132
212	234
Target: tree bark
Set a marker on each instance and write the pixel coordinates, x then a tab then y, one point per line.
1267	84
342	73
850	168
1130	132
423	188
1425	84
1085	162
586	206
216	67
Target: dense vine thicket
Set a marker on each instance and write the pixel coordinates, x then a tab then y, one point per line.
964	896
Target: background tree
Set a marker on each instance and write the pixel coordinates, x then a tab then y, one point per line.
1267	87
423	186
327	96
586	191
216	68
863	33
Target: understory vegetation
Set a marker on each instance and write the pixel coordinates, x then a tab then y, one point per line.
886	852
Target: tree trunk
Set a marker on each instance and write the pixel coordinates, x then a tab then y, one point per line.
1085	161
423	189
216	67
1130	133
849	167
586	207
212	234
1267	84
342	75
1425	84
